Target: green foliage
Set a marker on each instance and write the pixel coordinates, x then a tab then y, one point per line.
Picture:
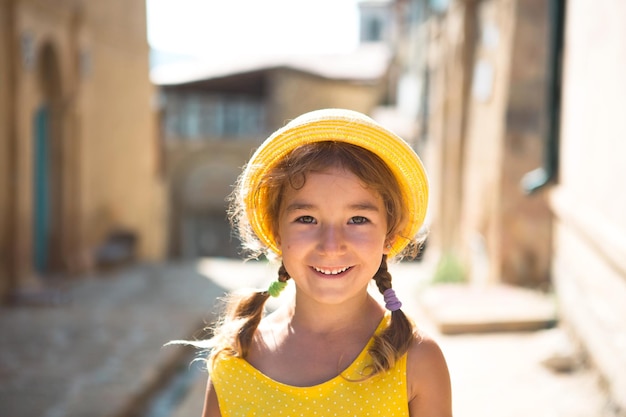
449	270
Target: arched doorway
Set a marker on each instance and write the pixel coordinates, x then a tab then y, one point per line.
200	185
47	158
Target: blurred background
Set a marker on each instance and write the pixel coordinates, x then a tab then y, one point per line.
124	125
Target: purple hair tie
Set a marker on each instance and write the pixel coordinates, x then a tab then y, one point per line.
391	300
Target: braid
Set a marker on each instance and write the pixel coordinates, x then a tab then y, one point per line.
283	275
382	276
395	340
247	312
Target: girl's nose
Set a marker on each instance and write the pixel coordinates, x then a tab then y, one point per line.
331	240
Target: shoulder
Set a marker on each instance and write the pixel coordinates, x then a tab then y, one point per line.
428	378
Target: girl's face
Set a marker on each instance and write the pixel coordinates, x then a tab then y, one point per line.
332	234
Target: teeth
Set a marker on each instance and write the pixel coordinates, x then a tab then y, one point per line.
331	271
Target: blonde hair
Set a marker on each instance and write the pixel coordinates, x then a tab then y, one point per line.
233	336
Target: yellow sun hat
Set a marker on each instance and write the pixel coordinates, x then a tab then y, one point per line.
337	125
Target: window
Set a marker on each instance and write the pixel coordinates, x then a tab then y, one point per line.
373	30
197	116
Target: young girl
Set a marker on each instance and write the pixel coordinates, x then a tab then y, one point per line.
333	195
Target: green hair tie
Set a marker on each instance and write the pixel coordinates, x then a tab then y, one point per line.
276	288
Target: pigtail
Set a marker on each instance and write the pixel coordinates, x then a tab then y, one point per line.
233	336
395	340
244	314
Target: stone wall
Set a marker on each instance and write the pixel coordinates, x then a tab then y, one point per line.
7	188
88	63
488	87
292	93
589	266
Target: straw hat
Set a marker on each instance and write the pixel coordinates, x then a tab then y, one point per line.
342	126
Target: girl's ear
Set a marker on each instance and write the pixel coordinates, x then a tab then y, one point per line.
388	245
277	240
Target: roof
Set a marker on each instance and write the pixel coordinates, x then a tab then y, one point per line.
367	63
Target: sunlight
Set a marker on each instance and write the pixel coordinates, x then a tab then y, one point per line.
207	27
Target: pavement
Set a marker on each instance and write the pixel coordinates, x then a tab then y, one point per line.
94	347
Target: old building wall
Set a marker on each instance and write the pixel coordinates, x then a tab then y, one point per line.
483	160
589	266
76	93
486	132
6	132
294	93
201	176
450	63
507	228
42	80
121	183
526	219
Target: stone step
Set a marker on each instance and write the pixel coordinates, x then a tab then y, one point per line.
466	308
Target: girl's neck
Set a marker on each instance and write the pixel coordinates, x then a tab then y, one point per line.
324	319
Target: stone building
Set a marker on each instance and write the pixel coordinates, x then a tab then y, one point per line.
519	105
588	199
78	140
474	79
214	118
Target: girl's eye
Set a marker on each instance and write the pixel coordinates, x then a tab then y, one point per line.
358	220
305	220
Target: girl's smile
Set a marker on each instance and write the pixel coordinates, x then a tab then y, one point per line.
331	271
332	234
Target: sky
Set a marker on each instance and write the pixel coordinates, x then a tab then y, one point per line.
203	28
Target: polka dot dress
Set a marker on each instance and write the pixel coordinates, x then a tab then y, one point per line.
244	391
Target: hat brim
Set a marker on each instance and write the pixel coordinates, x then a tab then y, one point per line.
343	126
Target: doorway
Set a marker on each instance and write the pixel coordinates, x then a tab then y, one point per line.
47	167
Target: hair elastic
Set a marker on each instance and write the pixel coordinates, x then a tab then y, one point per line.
391	300
276	288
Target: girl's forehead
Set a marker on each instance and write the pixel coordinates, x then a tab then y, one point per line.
334	183
330	175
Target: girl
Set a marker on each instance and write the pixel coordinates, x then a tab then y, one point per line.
333	195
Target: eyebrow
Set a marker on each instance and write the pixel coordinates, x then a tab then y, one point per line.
364	206
360	206
298	206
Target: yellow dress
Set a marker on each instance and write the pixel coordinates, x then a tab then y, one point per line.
244	391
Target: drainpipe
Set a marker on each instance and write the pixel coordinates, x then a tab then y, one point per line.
537	179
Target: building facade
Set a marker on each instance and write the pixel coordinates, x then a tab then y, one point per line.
78	139
588	200
481	71
520	111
